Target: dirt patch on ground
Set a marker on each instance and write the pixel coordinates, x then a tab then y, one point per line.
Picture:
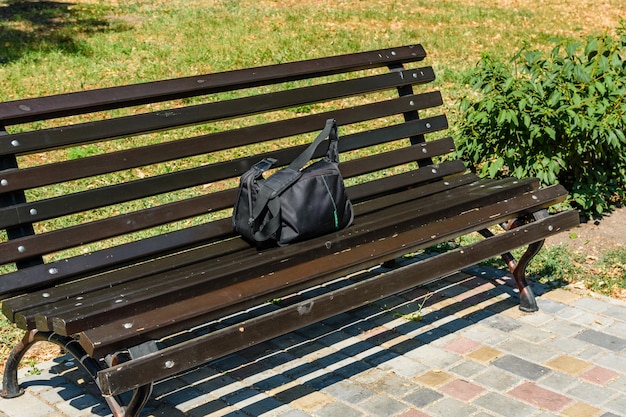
595	238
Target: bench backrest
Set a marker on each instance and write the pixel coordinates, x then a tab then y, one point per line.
98	179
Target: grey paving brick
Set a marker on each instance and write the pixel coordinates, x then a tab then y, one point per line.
569	313
484	334
617	329
594	321
591	304
530	351
350	369
590	352
338	409
616	312
393	385
619	385
221	385
591	394
616	344
349	392
559	382
422	397
83	406
563	327
531	334
214	407
294	413
617	405
449	407
565	345
502	323
185	399
614	361
503	405
383	406
253	402
521	367
405	366
550	306
468	369
497	379
27	405
537	319
64	392
434	357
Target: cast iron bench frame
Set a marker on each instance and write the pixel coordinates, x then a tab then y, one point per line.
116	308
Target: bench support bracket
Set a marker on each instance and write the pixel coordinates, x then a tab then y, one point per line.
518	268
10	384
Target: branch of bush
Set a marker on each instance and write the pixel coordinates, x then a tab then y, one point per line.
559	116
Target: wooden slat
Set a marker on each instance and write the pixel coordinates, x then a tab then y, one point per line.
50	296
108	129
97	230
137	157
118	379
190	280
133	190
137	251
102	340
21	111
36	301
240	295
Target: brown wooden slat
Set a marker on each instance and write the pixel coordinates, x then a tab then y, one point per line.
132	190
21	111
237	296
108	129
36	301
190	280
137	251
137	157
114	226
118	379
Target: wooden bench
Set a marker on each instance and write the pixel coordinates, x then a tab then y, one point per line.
116	204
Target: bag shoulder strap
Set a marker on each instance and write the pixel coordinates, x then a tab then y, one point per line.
330	132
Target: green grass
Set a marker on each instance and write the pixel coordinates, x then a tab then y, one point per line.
56	47
88	44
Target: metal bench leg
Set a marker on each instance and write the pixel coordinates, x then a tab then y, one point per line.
10	384
11	388
528	302
140	397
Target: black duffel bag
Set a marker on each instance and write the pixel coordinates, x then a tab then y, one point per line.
294	204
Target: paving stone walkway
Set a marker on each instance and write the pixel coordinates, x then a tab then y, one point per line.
458	347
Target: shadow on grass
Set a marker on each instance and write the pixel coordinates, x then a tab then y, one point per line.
46	26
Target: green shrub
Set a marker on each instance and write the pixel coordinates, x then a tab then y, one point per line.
560	117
